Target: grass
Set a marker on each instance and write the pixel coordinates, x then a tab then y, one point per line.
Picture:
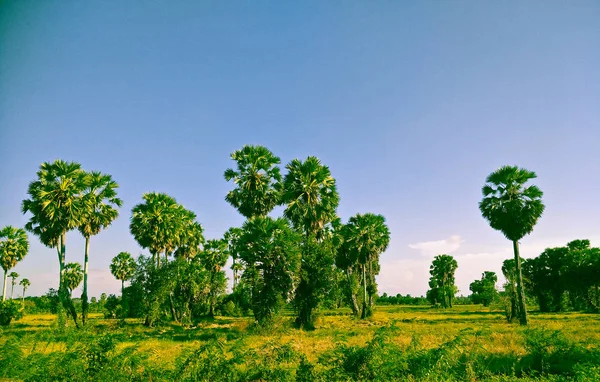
462	343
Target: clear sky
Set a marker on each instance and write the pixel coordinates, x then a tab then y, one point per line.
410	104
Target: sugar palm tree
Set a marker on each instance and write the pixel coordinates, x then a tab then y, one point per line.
73	276
512	209
366	237
25	284
310	197
257	180
13	248
232	237
14	276
213	257
122	267
442	272
100	209
56	207
156	224
191	240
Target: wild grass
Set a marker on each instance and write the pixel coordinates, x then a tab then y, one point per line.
397	343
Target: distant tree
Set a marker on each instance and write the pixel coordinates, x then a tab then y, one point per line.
213	258
100	209
122	267
25	284
257	179
513	209
441	283
14	276
310	197
14	245
484	290
271	256
232	237
56	207
365	237
73	276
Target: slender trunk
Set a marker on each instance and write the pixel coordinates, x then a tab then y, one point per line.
211	311
371	281
172	306
63	293
353	298
84	295
520	292
234	273
364	310
12	288
23	297
122	288
4	289
158	260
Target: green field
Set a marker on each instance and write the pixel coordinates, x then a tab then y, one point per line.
398	343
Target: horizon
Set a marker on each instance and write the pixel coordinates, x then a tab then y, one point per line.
410	105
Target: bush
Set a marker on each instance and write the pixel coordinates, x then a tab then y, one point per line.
10	310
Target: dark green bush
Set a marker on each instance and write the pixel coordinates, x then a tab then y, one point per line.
10	310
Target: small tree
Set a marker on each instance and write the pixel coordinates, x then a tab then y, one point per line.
73	276
122	267
512	209
14	276
13	248
25	284
484	290
441	283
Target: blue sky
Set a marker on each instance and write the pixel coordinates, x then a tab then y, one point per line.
410	104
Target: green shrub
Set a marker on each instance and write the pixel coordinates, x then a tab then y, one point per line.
10	310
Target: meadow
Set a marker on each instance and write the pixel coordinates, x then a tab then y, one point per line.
405	343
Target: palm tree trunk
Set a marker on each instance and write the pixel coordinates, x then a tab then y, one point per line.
23	297
12	288
84	295
521	294
353	299
4	289
63	294
122	288
364	310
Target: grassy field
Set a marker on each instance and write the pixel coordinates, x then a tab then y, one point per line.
397	343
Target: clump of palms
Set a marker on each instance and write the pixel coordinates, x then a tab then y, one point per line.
14	245
14	276
513	209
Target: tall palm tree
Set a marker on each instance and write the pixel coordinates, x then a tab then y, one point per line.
73	276
232	237
442	272
122	267
512	209
56	207
13	248
191	241
366	237
311	199
25	284
14	276
100	208
257	181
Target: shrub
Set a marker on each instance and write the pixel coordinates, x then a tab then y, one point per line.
10	310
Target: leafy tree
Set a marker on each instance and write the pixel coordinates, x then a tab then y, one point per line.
484	290
14	276
311	199
100	209
512	209
365	237
257	179
73	276
161	225
25	284
122	267
509	270
441	283
213	258
14	245
269	250
56	207
191	241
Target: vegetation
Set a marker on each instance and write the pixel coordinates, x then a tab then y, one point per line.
13	248
484	290
441	283
512	209
122	267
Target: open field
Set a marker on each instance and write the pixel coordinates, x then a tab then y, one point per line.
398	343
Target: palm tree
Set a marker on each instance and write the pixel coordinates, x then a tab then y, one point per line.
160	224
512	209
442	285
56	207
191	240
310	195
232	237
13	248
73	276
367	236
14	276
100	205
257	181
311	199
122	267
25	284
